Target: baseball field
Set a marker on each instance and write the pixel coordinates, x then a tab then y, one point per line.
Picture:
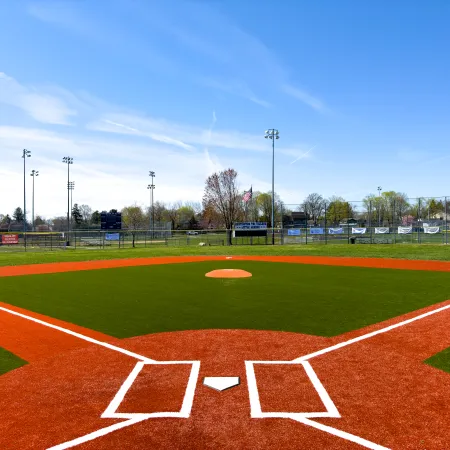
322	348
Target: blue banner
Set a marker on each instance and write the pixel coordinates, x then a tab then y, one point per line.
316	231
335	230
294	232
112	237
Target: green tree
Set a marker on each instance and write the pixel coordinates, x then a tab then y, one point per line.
18	215
133	219
96	218
338	209
76	214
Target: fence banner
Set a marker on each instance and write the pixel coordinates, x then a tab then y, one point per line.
112	237
382	230
294	232
404	230
8	239
359	230
335	231
316	231
250	226
431	230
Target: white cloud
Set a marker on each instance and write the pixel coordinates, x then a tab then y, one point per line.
304	97
42	107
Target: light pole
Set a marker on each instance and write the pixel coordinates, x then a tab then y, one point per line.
379	188
71	187
68	160
152	187
34	174
25	154
273	134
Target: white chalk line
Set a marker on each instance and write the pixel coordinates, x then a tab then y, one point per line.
255	405
112	407
80	336
368	335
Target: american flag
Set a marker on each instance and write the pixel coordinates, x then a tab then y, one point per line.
248	195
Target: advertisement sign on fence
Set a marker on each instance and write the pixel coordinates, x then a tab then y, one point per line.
431	230
316	231
294	232
335	230
382	230
112	237
250	226
8	239
358	230
404	230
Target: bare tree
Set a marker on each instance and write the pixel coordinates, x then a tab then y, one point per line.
314	206
173	212
86	213
222	194
134	219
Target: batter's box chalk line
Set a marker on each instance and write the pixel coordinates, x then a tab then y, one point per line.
255	406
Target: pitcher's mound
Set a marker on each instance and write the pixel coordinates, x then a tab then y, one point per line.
228	273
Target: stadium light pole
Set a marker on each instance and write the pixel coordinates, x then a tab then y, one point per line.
25	154
34	174
273	134
68	160
379	189
152	187
71	187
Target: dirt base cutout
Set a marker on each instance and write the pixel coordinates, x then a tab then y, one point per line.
228	273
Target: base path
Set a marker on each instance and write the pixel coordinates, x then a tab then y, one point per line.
375	380
380	263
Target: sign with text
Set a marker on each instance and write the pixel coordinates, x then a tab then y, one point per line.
316	231
250	226
294	232
8	239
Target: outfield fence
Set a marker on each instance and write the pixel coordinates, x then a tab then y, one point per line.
90	239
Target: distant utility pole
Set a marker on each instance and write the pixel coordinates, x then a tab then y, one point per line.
34	174
68	160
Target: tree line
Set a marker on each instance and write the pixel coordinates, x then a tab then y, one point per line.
223	205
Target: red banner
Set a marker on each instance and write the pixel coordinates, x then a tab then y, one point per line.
8	239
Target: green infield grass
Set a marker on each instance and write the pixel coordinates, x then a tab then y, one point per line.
403	251
318	300
441	360
9	361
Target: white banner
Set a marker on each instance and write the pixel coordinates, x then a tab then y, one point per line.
431	230
358	230
404	230
381	230
335	230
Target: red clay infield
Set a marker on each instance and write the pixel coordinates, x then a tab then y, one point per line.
386	396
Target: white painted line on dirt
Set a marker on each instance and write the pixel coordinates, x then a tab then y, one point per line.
190	390
80	336
323	394
118	398
342	434
368	335
96	434
331	412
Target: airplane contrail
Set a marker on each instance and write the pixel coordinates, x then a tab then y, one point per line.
304	154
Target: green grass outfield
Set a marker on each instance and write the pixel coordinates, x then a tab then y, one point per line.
9	362
441	360
404	251
318	300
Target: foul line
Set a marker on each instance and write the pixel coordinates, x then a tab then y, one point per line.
80	336
255	404
368	335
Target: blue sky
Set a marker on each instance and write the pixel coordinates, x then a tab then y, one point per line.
188	88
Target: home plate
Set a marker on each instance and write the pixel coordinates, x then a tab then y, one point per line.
221	383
